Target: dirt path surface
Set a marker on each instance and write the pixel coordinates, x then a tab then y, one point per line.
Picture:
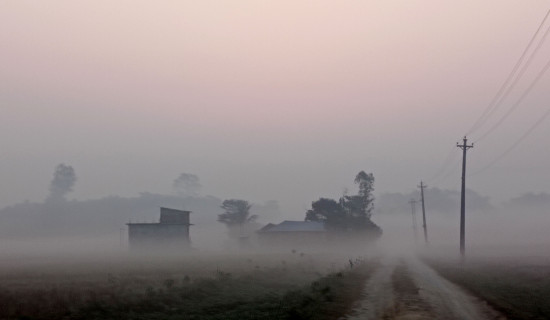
406	288
377	297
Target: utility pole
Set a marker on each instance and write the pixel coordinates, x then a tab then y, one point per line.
422	186
464	148
413	207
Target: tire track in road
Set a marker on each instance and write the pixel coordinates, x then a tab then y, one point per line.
377	297
408	303
406	288
448	300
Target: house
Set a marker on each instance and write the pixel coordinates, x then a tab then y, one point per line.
172	231
293	233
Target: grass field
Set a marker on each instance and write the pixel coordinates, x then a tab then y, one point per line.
277	286
519	288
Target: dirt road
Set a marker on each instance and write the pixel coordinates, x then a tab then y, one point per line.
406	288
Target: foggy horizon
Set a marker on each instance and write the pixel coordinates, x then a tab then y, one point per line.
273	159
262	101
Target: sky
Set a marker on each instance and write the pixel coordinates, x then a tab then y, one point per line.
266	100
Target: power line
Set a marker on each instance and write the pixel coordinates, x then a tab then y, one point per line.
515	144
449	172
518	102
444	166
518	76
505	88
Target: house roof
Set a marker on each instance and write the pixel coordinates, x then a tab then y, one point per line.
295	226
156	224
267	227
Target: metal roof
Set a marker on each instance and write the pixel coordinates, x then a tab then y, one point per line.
295	226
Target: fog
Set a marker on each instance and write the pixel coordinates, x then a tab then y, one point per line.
137	105
251	159
100	224
57	225
263	101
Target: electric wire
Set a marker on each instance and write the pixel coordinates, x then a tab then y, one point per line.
518	102
515	144
518	76
444	166
505	87
503	92
452	169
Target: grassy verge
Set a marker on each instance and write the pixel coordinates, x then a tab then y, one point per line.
520	291
281	292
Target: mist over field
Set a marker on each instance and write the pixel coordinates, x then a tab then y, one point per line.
60	224
273	159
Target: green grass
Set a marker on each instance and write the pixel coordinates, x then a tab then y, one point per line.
519	290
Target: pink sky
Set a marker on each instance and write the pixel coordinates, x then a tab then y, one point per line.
304	94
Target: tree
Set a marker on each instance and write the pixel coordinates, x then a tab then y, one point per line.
328	211
64	179
187	184
237	212
237	217
366	187
350	213
359	207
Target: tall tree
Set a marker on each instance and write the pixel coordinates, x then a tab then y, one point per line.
366	187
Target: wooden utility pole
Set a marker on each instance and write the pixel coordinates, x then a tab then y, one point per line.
464	148
422	186
413	207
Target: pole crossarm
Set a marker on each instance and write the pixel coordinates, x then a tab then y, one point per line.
465	145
